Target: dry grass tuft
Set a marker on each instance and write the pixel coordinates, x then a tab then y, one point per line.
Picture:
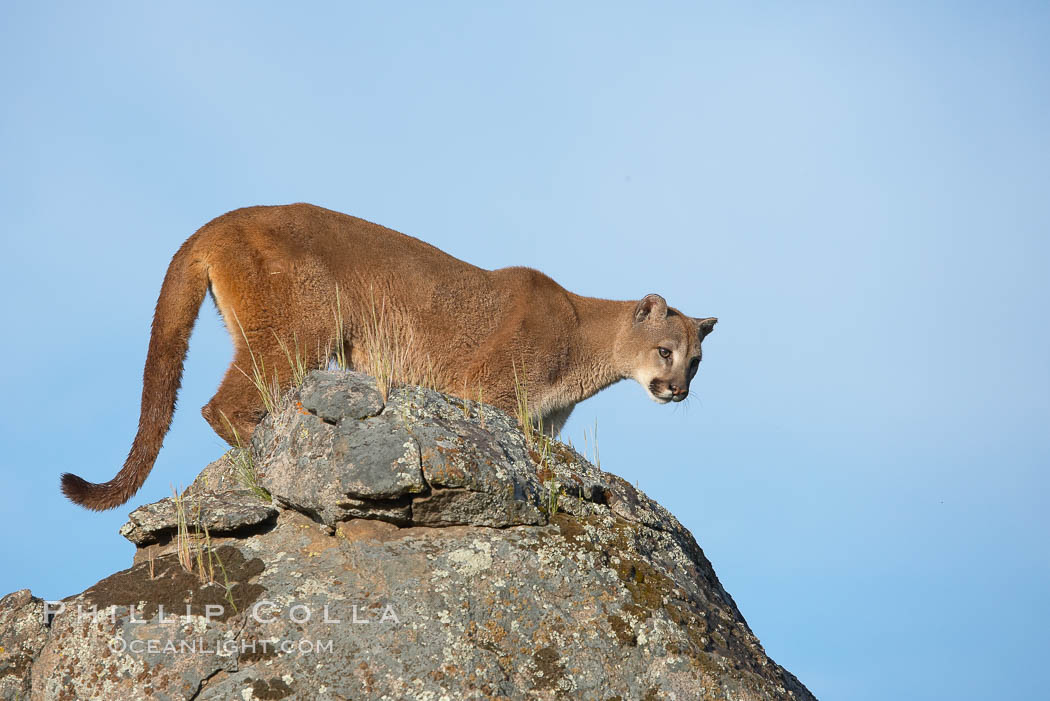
244	470
531	426
390	352
194	548
596	461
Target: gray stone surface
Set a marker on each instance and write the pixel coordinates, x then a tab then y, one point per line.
413	556
329	397
217	502
22	636
217	514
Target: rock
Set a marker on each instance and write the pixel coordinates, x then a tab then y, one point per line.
414	548
329	397
453	507
22	636
220	501
216	514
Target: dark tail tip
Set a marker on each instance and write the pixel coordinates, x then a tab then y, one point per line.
97	497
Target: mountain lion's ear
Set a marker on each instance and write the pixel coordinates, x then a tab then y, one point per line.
651	307
706	326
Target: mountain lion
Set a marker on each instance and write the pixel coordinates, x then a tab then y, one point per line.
305	280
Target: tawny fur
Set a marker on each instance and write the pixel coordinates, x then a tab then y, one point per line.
279	274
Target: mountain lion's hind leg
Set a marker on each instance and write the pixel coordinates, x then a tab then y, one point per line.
238	405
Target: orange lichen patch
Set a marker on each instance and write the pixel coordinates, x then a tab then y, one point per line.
439	467
494	631
367	529
318	541
544	474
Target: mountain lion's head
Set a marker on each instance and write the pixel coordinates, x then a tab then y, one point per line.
664	348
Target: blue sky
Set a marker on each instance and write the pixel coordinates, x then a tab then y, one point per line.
860	193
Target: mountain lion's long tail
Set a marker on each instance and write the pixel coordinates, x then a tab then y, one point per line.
180	299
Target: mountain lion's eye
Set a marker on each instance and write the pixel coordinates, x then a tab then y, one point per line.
664	353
